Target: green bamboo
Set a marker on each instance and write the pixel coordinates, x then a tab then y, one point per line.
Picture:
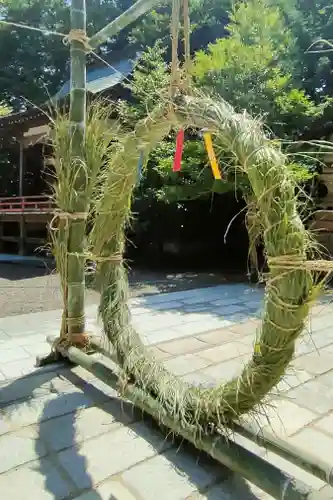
303	459
118	24
266	476
75	296
306	461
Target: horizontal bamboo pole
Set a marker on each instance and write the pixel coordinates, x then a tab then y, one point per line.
96	343
253	468
288	451
311	464
129	16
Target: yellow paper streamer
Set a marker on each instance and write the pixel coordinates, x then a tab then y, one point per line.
211	155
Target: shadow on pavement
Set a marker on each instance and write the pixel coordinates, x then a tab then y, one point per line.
17	271
147	429
59	450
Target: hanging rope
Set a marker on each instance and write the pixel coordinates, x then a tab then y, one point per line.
175	21
187	51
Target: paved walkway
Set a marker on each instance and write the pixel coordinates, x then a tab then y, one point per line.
65	435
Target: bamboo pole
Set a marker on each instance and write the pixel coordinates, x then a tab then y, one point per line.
118	24
77	225
253	468
311	464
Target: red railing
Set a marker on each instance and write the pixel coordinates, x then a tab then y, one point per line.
24	204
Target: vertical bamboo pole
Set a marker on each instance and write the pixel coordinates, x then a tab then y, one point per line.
77	223
74	226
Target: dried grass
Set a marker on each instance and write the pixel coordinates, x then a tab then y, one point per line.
100	130
289	292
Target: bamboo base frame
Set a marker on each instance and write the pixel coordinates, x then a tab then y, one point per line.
266	476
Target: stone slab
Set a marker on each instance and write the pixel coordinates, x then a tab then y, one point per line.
109	490
319	443
93	447
174	472
43	408
218	337
325	424
225	352
39	480
185	364
73	428
315	363
16	353
20	447
87	465
314	396
183	346
224	371
283	417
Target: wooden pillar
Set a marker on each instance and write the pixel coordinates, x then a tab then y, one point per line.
1	235
21	169
21	193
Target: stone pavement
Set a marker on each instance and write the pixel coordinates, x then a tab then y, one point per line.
65	435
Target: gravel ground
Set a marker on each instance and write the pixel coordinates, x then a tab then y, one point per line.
25	289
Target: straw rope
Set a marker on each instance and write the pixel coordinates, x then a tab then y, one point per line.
291	289
71	215
33	28
175	21
187	50
117	257
77	35
67	216
296	263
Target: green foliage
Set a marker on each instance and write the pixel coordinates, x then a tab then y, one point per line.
35	64
149	81
195	179
253	69
4	109
309	21
260	63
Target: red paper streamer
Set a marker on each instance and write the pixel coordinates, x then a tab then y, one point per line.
177	162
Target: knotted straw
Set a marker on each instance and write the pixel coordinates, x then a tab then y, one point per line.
99	259
78	35
62	215
297	263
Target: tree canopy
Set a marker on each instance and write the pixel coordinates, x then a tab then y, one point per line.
34	63
257	54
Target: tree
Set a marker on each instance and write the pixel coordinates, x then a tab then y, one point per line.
150	81
35	64
255	68
310	21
